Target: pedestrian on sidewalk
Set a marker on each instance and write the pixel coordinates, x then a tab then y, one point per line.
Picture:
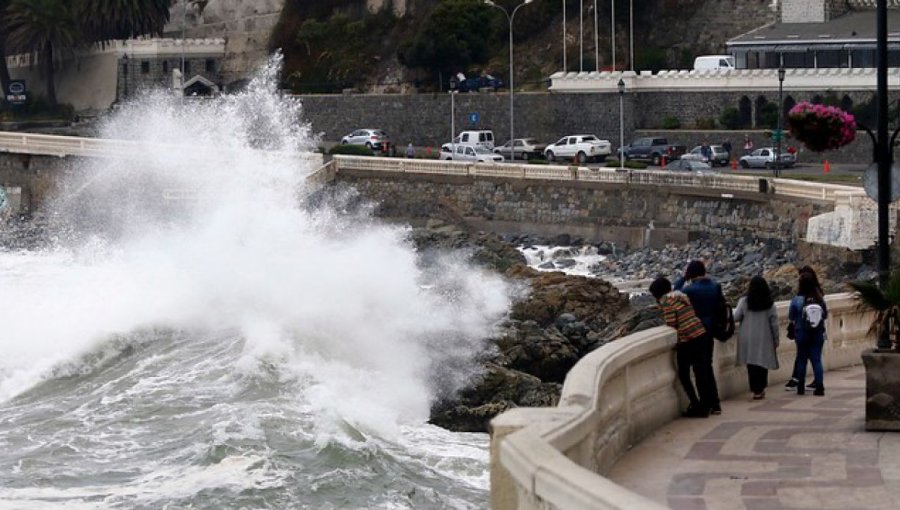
795	373
748	145
757	335
706	298
806	316
679	314
410	151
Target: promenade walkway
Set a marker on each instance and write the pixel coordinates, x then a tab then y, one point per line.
785	452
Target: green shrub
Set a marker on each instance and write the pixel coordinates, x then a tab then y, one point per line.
768	116
632	164
351	150
705	123
538	162
671	122
730	118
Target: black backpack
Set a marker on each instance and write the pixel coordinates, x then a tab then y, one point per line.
723	320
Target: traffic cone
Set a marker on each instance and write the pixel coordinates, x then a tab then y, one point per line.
662	163
826	167
734	164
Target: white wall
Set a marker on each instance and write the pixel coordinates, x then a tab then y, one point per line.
86	82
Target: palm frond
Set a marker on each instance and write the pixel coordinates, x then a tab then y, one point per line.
871	295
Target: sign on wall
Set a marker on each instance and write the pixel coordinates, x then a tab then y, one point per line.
16	92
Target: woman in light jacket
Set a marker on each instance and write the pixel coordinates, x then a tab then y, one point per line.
757	335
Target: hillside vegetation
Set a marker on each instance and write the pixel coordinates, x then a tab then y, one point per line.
333	45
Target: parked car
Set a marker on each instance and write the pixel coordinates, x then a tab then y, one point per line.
689	165
764	157
580	148
526	148
468	152
482	138
374	139
719	156
652	150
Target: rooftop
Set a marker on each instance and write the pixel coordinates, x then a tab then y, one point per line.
856	28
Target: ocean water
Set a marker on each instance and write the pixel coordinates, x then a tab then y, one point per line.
195	334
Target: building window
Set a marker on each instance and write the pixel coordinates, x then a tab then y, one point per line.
210	65
862	58
832	58
798	59
752	60
893	58
772	60
145	67
165	65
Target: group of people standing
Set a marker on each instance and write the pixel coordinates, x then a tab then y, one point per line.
696	307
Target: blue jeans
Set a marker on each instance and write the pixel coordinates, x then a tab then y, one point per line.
810	349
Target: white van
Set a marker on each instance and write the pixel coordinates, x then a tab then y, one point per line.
714	62
481	138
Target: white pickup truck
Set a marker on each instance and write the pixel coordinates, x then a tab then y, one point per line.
579	148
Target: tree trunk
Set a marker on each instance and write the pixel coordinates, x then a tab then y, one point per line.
47	57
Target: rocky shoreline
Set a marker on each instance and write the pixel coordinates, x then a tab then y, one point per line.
564	317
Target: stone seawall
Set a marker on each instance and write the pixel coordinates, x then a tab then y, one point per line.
596	211
424	119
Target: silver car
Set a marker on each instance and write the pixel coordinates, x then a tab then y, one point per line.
374	139
719	156
689	165
526	148
764	157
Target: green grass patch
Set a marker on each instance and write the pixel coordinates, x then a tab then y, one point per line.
634	165
351	150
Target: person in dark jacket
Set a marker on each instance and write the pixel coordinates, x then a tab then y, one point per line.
705	295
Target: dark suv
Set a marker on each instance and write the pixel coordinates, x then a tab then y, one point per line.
652	150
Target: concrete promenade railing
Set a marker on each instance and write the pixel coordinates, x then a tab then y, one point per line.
62	146
720	181
738	80
555	458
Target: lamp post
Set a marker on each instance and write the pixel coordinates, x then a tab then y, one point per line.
454	83
125	76
780	121
612	31
565	62
884	154
621	86
511	18
631	32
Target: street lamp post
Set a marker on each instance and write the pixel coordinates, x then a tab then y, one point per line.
612	31
621	86
453	84
565	62
884	154
511	18
780	121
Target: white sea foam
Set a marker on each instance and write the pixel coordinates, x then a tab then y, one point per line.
339	302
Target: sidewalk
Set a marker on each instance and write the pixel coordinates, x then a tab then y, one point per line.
784	452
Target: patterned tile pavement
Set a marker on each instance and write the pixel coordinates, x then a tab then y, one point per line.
786	452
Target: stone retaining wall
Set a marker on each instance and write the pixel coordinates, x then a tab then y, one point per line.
595	211
554	458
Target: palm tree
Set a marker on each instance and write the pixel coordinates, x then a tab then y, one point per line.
42	25
886	303
106	20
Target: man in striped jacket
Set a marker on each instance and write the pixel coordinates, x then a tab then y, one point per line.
679	314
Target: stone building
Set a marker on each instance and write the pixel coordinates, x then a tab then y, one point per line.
93	80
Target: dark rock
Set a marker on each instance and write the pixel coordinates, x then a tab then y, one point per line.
565	263
562	240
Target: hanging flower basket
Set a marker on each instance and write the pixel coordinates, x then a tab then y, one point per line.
821	128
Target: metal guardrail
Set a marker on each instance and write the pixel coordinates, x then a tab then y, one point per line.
720	181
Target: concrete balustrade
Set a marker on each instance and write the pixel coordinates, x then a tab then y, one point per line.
555	458
719	80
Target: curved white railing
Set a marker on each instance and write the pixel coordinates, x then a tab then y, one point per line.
62	146
719	181
554	458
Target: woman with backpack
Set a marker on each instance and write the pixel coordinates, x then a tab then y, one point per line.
757	335
806	316
795	378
